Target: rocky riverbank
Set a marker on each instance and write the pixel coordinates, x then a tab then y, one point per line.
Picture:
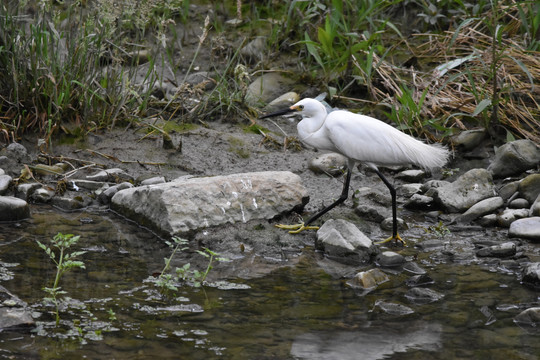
225	188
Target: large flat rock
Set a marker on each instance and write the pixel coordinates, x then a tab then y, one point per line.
189	204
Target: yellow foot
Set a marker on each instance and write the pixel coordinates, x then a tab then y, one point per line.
395	239
296	228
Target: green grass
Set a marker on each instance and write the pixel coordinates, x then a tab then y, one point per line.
71	67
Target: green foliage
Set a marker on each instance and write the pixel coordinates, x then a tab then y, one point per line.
529	14
71	67
345	45
64	262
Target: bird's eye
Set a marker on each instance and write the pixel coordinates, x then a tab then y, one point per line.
301	107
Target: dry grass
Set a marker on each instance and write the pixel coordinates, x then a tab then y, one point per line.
454	95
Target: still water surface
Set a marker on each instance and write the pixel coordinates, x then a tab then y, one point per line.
296	312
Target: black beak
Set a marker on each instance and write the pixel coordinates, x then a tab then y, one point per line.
279	112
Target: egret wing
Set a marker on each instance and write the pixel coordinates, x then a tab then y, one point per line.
364	138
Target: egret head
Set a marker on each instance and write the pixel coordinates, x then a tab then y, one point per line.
309	107
306	107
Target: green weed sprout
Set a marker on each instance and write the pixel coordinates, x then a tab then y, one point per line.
64	262
212	256
167	282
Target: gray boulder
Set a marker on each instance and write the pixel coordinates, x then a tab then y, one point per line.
25	191
267	87
527	228
12	158
412	175
390	259
255	49
468	189
481	208
105	196
5	181
529	187
469	139
506	191
508	216
531	274
515	157
330	163
419	202
283	101
188	204
535	207
13	209
503	250
343	242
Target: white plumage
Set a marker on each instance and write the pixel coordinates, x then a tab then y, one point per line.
361	139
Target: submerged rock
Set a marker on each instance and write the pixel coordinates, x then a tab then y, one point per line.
468	189
529	318
514	157
343	242
188	204
420	295
368	279
14	314
393	308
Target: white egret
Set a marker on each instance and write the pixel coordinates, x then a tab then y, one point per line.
361	139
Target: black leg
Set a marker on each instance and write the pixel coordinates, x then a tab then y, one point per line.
342	198
394	203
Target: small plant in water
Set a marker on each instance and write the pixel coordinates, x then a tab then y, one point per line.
200	277
167	282
64	261
438	230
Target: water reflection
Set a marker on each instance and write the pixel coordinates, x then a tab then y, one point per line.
372	343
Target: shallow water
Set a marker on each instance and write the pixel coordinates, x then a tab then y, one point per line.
296	312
